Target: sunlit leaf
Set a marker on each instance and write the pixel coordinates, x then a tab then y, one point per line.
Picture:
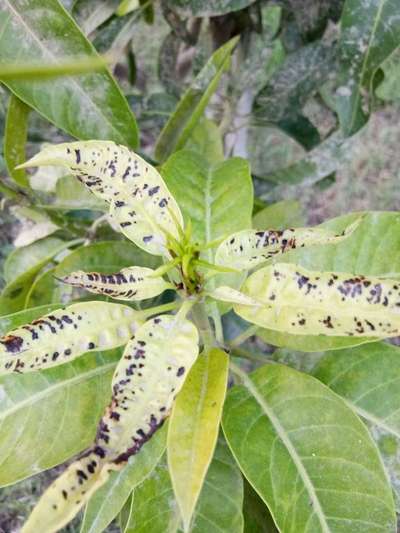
64	334
307	454
303	302
249	248
141	203
194	427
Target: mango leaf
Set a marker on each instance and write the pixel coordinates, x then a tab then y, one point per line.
249	248
280	215
35	225
90	14
132	283
219	509
15	136
23	259
71	195
206	140
13	297
207	8
389	89
257	518
141	204
358	255
194	426
193	103
65	334
305	302
44	290
107	502
89	106
280	420
370	32
47	417
367	378
143	393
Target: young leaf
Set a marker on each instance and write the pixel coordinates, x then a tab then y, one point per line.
229	295
140	201
191	107
249	248
132	283
144	387
194	427
64	334
307	454
108	501
300	301
15	136
87	106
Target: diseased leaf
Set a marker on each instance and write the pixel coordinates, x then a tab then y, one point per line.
250	248
307	454
107	502
144	388
194	426
229	295
207	8
280	215
35	225
219	509
15	136
64	334
87	106
132	283
300	301
191	107
389	89
141	203
90	14
370	32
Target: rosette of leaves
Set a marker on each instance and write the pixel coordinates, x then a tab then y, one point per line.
268	418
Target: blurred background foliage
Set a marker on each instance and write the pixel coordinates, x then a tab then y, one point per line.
307	90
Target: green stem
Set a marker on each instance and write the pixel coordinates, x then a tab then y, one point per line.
219	332
257	357
147	313
240	339
202	322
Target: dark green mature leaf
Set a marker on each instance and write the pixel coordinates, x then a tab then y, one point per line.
49	416
295	81
219	509
207	8
193	103
312	16
257	518
88	106
307	454
107	502
367	377
373	249
15	136
370	33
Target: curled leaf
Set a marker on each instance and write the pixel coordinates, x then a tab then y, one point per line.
303	302
64	334
146	381
140	201
229	295
248	248
133	283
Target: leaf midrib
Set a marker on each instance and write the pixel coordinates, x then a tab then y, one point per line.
252	389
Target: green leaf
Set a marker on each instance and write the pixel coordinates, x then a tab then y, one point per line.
22	259
207	8
389	89
370	32
359	255
13	297
107	502
90	14
194	426
206	140
280	215
47	417
140	203
35	225
257	518
191	107
89	106
367	378
15	136
307	454
219	509
70	195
